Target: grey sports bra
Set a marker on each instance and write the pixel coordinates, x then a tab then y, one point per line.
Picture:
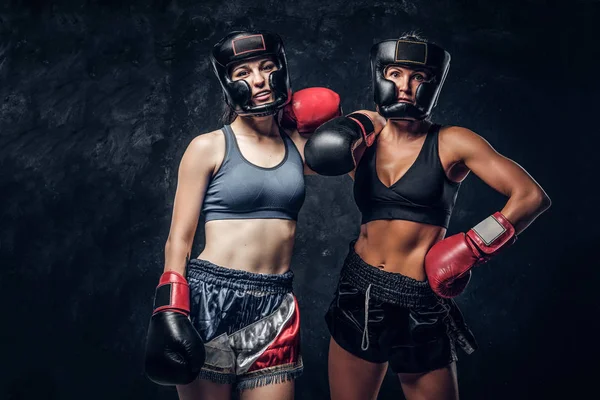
242	190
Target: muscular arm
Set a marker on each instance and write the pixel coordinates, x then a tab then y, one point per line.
526	199
196	167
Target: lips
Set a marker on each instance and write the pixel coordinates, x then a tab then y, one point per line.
405	101
262	95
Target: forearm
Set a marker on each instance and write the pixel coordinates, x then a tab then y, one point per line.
378	125
523	207
177	254
377	120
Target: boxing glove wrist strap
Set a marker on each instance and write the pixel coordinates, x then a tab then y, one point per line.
365	125
492	234
172	293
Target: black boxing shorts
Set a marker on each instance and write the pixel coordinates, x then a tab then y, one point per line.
382	317
249	323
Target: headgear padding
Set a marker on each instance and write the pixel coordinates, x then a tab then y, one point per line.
240	46
412	54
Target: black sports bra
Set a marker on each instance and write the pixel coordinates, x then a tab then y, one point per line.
424	194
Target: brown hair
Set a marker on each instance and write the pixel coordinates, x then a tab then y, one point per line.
228	114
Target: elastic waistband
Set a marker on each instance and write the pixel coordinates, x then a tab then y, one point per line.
213	215
431	216
236	279
386	286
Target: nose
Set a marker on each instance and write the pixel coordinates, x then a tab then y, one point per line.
258	79
402	84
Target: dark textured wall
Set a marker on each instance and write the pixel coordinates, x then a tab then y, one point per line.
100	98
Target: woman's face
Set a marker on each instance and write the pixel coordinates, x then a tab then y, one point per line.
256	73
407	81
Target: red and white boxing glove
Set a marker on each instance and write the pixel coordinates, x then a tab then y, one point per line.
310	108
448	263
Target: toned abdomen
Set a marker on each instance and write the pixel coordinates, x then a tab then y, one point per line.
398	246
255	245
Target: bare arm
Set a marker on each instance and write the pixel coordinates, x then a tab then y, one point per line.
195	170
526	199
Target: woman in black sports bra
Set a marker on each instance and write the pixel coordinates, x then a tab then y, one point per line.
393	304
228	320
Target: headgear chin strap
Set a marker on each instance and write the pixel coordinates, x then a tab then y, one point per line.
239	46
412	54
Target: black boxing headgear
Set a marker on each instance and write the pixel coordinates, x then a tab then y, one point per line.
412	54
240	46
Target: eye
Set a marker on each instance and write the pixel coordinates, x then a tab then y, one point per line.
394	74
240	73
268	67
419	77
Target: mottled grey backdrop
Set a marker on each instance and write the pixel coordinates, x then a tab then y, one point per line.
100	98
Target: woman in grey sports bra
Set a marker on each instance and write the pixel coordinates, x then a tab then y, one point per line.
228	320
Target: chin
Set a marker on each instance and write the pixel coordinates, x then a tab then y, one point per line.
261	118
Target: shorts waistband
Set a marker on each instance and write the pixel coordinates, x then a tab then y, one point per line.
385	286
236	279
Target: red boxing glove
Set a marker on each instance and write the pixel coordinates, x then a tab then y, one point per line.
310	108
172	293
448	263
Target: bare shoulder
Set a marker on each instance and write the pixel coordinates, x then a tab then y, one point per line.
462	144
457	133
206	143
205	150
461	139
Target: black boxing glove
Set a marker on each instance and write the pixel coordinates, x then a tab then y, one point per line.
174	350
330	150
